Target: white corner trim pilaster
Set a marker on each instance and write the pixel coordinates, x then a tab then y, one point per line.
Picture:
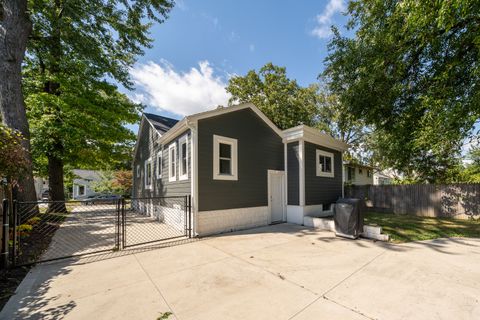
301	154
194	175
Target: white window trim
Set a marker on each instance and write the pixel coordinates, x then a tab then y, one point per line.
159	163
216	157
148	186
321	173
172	176
84	190
182	175
138	171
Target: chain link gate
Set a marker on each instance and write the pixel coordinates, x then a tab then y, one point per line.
52	230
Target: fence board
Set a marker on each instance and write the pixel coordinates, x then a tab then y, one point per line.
452	200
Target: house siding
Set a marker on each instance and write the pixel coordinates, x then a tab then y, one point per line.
147	147
293	182
259	149
321	190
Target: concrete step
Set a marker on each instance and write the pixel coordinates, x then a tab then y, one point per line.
370	232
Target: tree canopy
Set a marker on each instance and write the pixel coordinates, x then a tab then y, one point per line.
282	100
411	72
76	49
13	161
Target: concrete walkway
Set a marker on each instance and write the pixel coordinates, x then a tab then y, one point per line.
277	272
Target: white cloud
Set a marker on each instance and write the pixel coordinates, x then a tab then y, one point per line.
324	20
251	47
182	93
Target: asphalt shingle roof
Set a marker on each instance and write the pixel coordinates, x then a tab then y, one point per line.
161	123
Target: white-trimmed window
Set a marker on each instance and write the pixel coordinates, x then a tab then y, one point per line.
159	164
172	162
81	190
148	173
325	164
225	160
183	158
138	171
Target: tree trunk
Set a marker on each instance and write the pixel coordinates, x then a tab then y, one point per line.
15	28
55	182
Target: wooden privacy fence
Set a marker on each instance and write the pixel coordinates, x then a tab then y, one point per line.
428	200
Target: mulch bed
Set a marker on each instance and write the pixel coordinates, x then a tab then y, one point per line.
31	248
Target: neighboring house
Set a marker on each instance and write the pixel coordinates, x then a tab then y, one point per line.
41	186
357	174
384	177
83	183
239	168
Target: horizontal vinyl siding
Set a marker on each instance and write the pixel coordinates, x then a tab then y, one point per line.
259	149
293	173
321	190
147	147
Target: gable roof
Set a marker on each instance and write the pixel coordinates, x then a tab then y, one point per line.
86	174
185	123
160	123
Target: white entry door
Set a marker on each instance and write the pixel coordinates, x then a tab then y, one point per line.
276	193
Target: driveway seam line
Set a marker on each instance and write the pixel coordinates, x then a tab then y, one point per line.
270	272
335	286
353	273
156	287
348	308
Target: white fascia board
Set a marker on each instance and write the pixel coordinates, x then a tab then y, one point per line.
312	135
175	131
183	125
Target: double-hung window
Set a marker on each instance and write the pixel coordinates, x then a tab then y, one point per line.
148	173
183	158
172	162
159	164
225	161
325	164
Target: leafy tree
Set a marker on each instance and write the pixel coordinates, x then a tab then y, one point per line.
334	119
15	28
281	99
471	173
77	115
115	182
412	72
13	161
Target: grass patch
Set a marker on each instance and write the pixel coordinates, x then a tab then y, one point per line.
406	228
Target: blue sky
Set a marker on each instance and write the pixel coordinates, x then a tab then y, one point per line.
203	43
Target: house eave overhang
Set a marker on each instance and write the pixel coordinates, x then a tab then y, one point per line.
191	121
309	134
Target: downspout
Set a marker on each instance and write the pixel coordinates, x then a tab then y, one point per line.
193	173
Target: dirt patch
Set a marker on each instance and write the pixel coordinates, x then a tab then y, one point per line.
10	279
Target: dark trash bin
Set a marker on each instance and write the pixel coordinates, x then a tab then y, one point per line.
348	218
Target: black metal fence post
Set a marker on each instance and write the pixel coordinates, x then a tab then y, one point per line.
117	225
190	228
5	234
185	211
124	228
15	233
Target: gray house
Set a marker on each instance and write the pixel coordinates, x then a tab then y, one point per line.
240	170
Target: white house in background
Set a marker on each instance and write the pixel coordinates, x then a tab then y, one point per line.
357	174
386	176
83	183
41	186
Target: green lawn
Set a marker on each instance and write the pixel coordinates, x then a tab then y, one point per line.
405	228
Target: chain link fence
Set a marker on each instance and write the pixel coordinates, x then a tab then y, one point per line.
51	230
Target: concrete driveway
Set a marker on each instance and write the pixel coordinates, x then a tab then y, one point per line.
277	272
